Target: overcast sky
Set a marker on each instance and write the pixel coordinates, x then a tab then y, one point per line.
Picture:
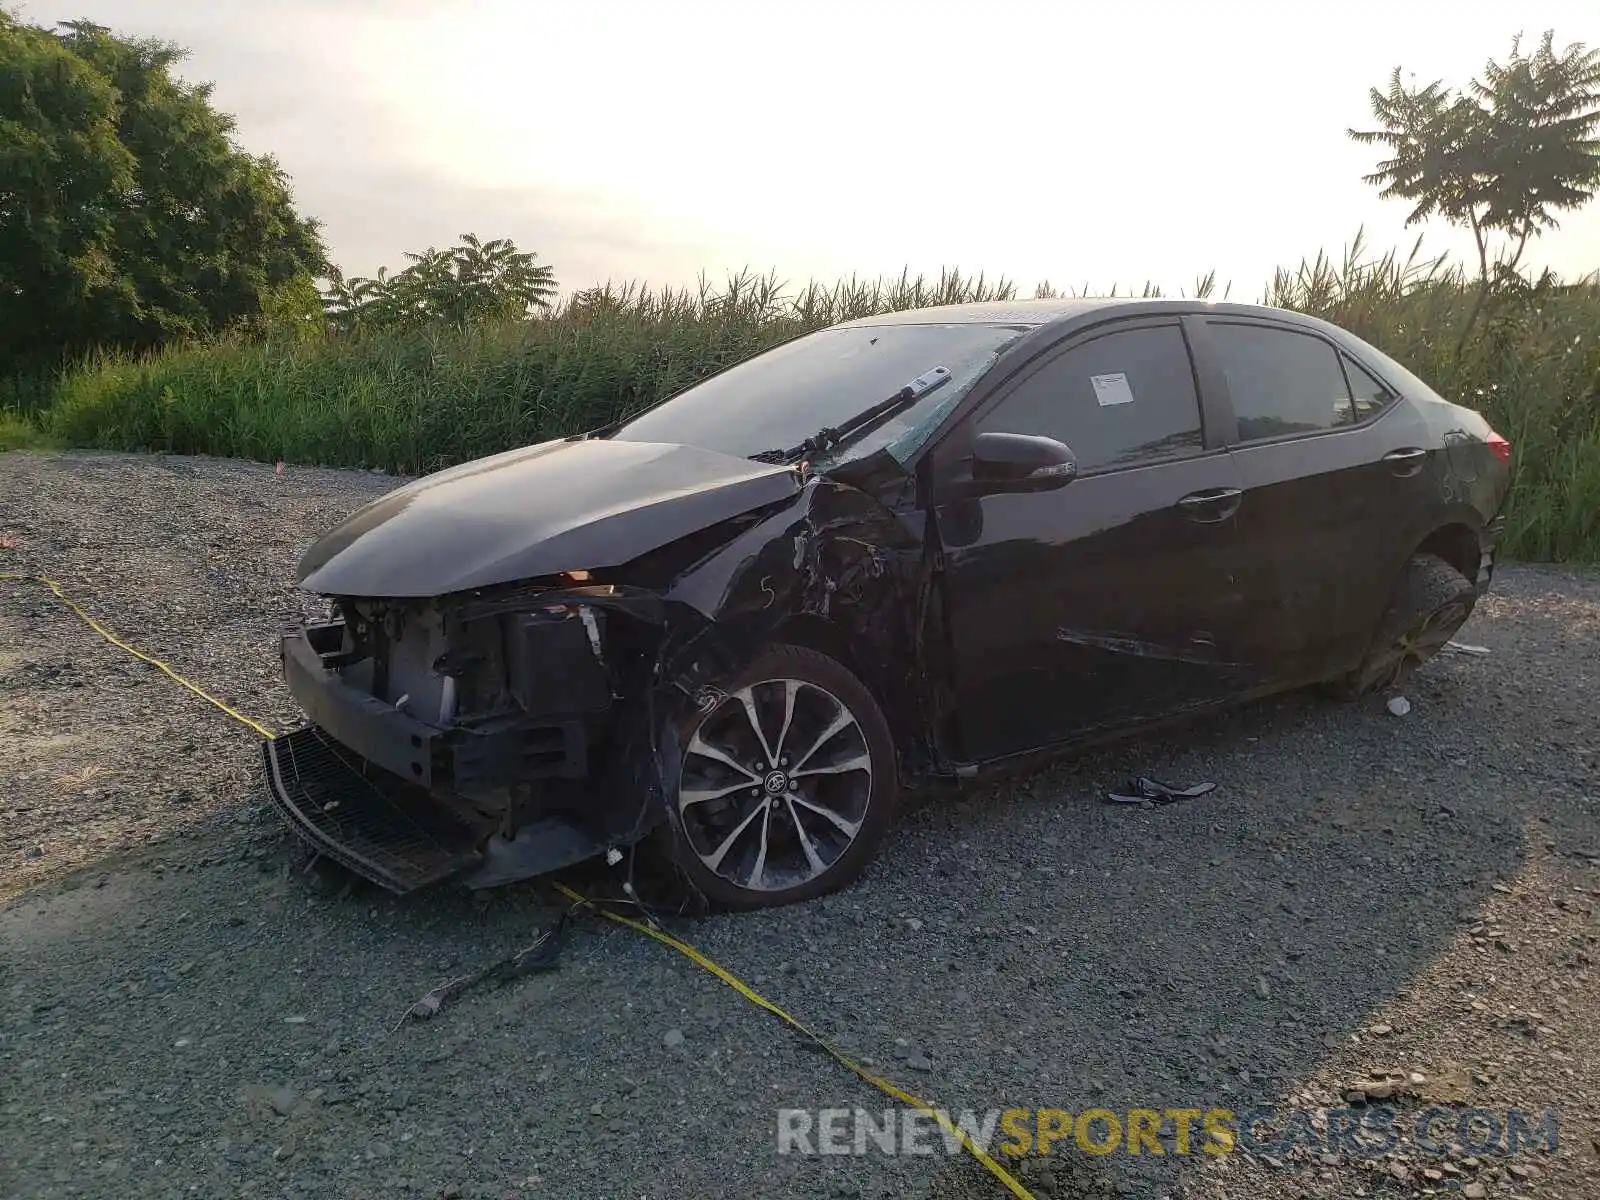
1041	139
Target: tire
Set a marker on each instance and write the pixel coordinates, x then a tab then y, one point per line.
1430	602
744	832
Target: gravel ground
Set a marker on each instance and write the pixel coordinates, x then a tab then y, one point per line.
184	1014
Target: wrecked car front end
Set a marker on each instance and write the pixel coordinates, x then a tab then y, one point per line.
527	648
500	732
438	725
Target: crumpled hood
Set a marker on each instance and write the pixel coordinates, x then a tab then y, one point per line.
557	506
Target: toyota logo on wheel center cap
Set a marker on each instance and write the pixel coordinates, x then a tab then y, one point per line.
776	783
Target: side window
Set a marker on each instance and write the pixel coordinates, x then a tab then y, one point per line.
1121	398
1370	396
1281	381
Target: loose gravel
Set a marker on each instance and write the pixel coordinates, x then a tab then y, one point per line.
1365	897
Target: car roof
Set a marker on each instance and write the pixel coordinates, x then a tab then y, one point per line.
1041	313
1001	312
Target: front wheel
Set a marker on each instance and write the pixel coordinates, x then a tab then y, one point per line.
788	783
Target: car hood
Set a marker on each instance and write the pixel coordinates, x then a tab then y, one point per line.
557	506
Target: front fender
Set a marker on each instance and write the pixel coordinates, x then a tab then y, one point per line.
833	554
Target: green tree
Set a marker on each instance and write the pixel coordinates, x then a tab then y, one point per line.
128	217
1500	158
473	283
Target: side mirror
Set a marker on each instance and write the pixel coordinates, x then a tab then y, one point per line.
1021	462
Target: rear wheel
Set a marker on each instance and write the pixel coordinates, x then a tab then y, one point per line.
788	783
1431	601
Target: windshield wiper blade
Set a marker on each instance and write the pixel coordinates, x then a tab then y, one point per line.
829	437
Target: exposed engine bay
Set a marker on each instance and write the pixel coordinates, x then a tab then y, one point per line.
503	711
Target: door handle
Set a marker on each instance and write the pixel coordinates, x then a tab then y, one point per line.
1407	461
1211	505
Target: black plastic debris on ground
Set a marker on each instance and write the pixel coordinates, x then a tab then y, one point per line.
1145	791
541	955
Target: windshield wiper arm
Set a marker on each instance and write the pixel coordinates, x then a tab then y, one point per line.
829	437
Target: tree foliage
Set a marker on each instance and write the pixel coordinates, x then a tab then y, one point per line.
1501	157
128	217
473	283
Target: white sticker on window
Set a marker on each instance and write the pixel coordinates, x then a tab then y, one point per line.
1111	389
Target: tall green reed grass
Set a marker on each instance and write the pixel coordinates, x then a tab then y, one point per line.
1531	366
417	402
421	401
23	398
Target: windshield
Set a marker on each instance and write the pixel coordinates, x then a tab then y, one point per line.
780	398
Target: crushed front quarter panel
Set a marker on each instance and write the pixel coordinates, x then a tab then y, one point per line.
832	563
813	560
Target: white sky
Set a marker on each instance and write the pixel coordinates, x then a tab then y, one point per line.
1083	143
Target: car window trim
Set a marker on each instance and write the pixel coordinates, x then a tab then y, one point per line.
1065	345
1041	344
1220	427
1225	394
1348	360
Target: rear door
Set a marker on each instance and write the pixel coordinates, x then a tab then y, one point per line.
1116	597
1331	469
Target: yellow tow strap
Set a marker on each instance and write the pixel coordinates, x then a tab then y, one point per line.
140	654
666	939
839	1056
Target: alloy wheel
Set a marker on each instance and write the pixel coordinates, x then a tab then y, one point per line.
1419	643
775	786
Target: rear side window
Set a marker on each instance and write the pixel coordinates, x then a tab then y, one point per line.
1122	398
1370	396
1281	382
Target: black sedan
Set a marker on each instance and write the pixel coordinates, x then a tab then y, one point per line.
910	546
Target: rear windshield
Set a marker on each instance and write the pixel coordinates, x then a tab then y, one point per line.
778	399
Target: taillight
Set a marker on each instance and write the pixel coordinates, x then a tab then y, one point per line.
1500	447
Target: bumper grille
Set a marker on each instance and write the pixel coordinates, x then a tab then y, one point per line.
376	824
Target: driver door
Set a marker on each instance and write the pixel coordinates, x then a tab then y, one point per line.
1113	599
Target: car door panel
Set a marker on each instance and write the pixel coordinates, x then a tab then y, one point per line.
1114	599
1326	516
1099	605
1324	510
